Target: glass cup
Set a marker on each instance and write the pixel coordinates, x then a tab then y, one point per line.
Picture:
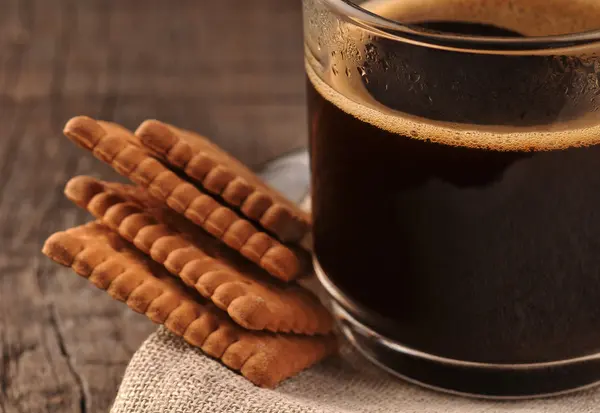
455	156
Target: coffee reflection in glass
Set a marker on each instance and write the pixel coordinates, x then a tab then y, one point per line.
455	152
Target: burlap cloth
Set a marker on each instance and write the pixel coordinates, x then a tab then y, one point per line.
168	375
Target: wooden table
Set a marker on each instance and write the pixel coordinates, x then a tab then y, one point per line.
231	69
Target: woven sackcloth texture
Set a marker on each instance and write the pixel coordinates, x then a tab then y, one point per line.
168	375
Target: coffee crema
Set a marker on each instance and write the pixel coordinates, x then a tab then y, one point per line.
455	194
528	17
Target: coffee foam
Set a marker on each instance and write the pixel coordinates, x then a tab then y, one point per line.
503	13
492	138
528	17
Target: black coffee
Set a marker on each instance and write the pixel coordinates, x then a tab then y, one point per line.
480	246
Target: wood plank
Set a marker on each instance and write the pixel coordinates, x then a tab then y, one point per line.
231	70
36	374
77	332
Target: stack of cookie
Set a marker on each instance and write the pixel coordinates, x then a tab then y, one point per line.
198	244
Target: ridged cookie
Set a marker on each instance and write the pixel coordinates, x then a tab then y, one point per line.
221	174
119	148
109	262
246	292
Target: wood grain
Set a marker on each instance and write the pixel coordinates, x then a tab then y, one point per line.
229	69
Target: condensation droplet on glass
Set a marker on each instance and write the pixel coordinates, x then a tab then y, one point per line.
334	70
348	72
361	71
414	77
387	86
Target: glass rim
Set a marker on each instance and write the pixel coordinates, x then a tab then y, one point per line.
395	30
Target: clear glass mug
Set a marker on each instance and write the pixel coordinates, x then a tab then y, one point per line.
454	149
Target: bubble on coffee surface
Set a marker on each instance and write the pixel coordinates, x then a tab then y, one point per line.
530	18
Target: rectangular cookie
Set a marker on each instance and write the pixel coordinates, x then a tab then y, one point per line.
95	252
221	174
119	148
251	298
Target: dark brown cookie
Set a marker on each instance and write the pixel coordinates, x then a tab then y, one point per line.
221	174
122	150
245	291
112	264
